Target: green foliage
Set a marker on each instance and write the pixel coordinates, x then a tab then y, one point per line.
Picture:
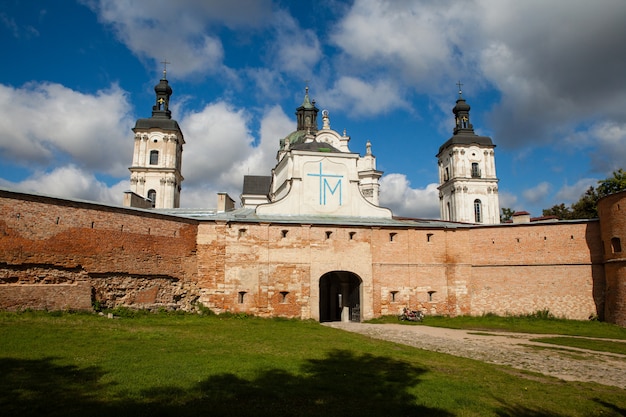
613	184
560	211
540	315
203	310
506	215
584	343
587	206
539	322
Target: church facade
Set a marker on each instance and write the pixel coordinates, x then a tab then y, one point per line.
310	241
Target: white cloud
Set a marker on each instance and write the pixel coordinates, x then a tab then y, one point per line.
220	150
181	31
419	40
375	97
553	76
71	182
44	123
537	194
508	200
569	194
558	65
396	193
610	152
297	49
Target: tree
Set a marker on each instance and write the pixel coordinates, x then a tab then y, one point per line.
506	215
587	206
559	211
613	185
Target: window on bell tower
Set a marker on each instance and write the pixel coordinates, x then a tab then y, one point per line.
154	157
152	197
478	208
475	170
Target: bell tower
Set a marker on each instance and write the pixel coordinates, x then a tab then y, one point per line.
155	174
468	186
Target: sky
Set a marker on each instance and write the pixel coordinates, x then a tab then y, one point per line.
546	80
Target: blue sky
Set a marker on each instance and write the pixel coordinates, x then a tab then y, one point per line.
546	81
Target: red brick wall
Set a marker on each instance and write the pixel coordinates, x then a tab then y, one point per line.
96	242
612	212
143	259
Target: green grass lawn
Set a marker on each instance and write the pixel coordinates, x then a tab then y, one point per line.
189	365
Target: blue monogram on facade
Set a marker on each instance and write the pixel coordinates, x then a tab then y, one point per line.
326	189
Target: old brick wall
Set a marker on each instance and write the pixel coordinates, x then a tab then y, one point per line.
531	267
502	269
612	212
273	270
54	250
125	256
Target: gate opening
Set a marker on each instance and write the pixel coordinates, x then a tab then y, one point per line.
340	296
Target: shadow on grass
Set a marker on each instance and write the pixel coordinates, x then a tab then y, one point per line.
340	384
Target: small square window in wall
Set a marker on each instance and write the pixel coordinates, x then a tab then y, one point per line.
352	234
242	232
392	236
328	234
429	237
241	297
283	296
430	295
283	233
393	296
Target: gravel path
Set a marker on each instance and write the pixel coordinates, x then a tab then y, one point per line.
513	349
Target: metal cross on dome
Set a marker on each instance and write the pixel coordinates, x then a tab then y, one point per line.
165	62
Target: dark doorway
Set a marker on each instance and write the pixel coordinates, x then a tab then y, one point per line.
340	296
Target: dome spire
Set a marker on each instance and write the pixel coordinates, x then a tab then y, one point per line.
163	92
461	114
307	113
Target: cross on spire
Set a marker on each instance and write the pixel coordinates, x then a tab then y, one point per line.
165	62
460	85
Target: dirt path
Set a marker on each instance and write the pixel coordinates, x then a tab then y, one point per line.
513	349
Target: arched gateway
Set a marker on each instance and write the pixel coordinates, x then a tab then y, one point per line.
340	296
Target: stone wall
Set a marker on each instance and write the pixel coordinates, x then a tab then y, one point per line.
52	243
612	211
518	269
53	249
531	267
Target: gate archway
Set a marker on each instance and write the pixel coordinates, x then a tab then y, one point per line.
340	296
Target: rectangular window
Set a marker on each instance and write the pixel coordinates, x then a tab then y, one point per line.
475	170
154	157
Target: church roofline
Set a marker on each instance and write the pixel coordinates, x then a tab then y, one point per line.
462	139
157	123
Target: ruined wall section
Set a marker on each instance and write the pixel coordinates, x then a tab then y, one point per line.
525	268
113	256
612	213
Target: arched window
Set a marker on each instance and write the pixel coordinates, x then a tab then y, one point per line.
152	197
154	157
478	211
